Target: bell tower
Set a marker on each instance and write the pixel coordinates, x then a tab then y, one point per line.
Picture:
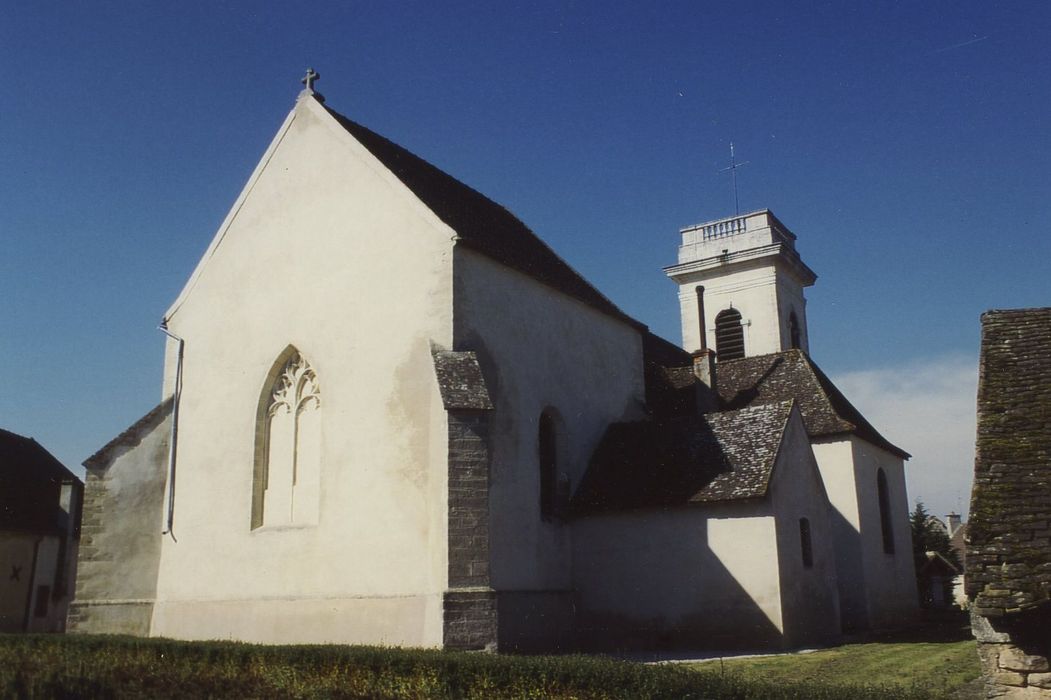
742	281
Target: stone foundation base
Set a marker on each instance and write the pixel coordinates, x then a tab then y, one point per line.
110	617
470	621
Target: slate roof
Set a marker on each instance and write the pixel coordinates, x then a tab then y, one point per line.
1009	531
460	381
131	436
671	387
716	457
789	375
482	224
30	482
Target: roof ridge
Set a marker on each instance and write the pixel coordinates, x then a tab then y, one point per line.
127	433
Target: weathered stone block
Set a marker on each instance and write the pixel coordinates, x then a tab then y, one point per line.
1040	680
1009	678
984	632
1014	659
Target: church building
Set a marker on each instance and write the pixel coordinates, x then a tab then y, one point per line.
391	414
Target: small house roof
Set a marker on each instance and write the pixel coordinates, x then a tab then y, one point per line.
131	436
30	483
791	375
682	460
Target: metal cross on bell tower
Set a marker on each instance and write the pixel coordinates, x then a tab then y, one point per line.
734	165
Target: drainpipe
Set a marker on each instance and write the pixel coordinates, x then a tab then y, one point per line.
173	440
699	291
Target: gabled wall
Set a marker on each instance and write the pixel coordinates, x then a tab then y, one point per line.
121	533
890	578
809	594
328	252
877	589
540	350
698	576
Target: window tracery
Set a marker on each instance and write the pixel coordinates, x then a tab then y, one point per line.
288	450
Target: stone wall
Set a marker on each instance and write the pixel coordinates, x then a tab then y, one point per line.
470	611
1009	535
120	541
1016	660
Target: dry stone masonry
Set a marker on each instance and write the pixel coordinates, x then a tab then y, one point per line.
1009	550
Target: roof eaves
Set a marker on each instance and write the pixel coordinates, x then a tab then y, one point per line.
129	435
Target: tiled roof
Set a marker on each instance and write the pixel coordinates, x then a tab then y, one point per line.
460	381
482	224
30	482
724	456
671	387
132	435
1009	531
789	375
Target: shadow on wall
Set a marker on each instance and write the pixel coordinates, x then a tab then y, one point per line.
850	575
654	583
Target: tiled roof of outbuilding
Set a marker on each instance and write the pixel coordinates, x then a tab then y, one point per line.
30	479
1009	531
131	435
482	224
792	375
725	456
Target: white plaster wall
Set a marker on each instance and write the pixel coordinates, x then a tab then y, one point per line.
835	459
876	589
702	575
890	578
790	298
751	288
809	595
540	348
325	250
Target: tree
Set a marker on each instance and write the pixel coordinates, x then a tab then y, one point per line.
929	536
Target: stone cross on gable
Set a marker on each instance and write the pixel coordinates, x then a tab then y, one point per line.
311	77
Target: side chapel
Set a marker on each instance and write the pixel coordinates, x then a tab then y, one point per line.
391	414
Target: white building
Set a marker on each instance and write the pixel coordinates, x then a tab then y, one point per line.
393	415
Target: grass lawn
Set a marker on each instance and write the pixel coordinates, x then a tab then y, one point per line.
60	666
941	661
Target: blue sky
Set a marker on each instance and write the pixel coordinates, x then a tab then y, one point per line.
906	144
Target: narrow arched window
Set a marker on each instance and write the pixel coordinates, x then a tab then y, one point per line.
286	485
805	543
729	335
547	447
886	526
793	330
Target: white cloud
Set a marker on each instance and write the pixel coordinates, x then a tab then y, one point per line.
927	408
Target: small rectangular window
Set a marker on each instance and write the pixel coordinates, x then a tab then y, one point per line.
805	543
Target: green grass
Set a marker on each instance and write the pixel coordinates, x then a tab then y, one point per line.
59	666
941	668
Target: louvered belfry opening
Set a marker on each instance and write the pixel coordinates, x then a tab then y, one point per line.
729	335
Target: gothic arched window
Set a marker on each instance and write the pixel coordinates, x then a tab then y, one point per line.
547	449
886	527
729	335
286	486
793	330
